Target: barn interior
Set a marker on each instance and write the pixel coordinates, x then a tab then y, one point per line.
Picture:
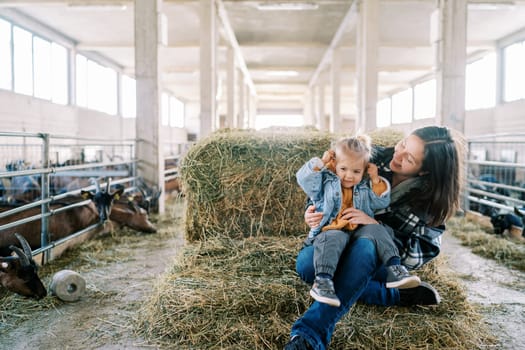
120	90
171	72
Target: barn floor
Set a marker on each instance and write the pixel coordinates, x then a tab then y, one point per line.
103	318
499	291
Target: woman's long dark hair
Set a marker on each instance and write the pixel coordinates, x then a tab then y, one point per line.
442	165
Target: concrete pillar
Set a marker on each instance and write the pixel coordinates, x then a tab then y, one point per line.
314	120
251	109
320	105
242	96
208	79
148	123
335	79
308	108
230	82
367	48
450	21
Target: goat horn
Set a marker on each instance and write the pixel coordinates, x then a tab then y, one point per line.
95	182
25	245
108	185
24	259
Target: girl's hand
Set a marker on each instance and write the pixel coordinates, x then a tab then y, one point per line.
358	217
328	156
312	218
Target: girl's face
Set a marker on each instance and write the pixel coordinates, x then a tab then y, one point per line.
408	156
350	168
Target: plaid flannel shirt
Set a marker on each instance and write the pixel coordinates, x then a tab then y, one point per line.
417	242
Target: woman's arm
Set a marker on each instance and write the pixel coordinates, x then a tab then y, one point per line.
418	243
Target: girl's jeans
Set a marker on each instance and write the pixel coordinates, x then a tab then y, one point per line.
359	276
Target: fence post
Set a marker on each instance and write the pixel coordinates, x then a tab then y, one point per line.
44	191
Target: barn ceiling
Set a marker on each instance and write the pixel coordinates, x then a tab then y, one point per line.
282	49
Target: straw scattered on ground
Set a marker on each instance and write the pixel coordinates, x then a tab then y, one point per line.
91	255
482	241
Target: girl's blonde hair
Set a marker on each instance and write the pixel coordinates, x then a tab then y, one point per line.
359	144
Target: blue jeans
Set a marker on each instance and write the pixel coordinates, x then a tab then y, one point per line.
359	276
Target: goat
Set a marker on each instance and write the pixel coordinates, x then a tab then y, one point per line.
19	274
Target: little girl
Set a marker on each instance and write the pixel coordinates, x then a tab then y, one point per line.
337	182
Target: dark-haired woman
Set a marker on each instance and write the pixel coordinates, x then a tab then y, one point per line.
425	173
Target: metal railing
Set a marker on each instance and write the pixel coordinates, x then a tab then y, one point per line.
495	173
42	159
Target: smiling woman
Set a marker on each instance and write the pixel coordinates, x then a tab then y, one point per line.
269	120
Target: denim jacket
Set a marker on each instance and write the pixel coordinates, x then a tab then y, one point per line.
323	188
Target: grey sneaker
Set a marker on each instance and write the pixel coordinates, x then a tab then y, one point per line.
398	277
324	292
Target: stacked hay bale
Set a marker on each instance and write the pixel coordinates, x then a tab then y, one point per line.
242	183
234	285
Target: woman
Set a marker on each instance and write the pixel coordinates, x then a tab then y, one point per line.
425	175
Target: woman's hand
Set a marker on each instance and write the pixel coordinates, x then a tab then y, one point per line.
358	217
312	218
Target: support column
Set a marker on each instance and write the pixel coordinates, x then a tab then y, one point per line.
335	78
314	121
320	112
367	39
242	91
230	81
208	79
148	123
451	41
308	111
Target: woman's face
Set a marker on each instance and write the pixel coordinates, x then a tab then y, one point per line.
408	156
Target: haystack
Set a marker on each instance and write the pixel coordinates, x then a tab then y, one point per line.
234	286
242	183
225	293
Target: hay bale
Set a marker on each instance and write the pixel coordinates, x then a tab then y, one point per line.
225	293
242	183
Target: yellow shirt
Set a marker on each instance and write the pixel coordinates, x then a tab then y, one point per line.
340	224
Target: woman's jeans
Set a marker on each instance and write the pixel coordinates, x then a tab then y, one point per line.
359	276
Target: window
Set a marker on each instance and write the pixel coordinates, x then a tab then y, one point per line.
59	71
81	70
263	121
129	97
383	113
165	109
514	56
402	107
96	86
23	61
102	88
481	83
425	100
176	112
42	68
5	55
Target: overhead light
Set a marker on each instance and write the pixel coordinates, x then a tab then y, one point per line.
282	73
491	5
94	6
287	6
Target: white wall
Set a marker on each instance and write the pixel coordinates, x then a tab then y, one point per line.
21	113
